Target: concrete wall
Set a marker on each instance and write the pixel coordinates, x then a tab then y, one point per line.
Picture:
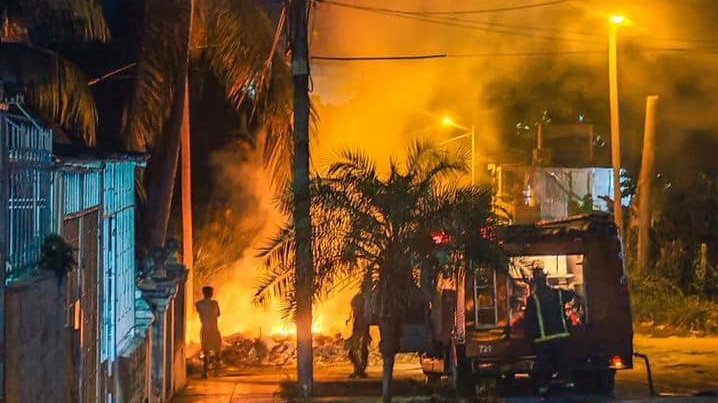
37	365
134	367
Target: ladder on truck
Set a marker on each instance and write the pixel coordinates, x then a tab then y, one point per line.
486	311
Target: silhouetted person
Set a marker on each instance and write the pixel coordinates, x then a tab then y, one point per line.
360	338
211	339
549	328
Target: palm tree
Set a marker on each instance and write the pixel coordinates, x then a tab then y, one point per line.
55	89
379	230
236	41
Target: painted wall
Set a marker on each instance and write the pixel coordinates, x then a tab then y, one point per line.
37	340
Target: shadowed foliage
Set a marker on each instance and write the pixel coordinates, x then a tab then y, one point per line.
380	231
54	88
365	225
234	40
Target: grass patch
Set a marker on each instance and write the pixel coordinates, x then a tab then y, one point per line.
662	309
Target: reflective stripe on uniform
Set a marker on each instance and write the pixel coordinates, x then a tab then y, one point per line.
539	315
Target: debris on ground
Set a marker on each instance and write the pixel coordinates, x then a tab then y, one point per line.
242	351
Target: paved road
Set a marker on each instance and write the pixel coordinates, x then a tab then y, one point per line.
680	365
264	386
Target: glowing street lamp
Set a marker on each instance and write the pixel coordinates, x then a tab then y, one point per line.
618	19
447	121
614	22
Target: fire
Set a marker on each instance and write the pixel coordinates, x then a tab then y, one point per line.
239	315
285	328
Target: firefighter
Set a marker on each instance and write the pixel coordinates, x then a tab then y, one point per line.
549	328
360	339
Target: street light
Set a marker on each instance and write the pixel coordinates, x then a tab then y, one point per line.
618	19
460	275
614	22
447	121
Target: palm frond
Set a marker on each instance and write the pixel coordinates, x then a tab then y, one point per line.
239	37
379	230
352	166
242	53
159	72
277	284
54	88
58	21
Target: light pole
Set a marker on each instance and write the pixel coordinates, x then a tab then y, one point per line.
470	132
615	21
459	325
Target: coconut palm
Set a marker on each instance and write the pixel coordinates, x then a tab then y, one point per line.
379	230
55	89
236	41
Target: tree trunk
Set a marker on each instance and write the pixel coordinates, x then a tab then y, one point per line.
302	222
160	179
389	340
161	172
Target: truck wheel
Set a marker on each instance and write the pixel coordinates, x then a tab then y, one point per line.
433	379
599	381
486	388
506	383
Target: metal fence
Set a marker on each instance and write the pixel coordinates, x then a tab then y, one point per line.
26	164
119	255
78	195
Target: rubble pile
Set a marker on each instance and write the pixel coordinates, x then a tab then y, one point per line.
241	351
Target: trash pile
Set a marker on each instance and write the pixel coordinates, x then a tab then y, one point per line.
241	351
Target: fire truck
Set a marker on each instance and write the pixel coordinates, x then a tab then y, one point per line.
480	331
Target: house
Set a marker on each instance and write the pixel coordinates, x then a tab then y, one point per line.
85	335
564	178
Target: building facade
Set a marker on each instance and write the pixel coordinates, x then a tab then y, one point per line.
86	335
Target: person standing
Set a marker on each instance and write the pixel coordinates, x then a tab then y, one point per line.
210	338
360	338
549	327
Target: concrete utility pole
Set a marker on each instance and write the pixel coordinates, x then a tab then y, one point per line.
304	277
615	134
645	183
186	188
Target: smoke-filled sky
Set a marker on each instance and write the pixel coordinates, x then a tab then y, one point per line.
552	56
501	67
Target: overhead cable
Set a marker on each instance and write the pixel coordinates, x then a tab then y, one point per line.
482	11
369	58
455	22
499	54
444	18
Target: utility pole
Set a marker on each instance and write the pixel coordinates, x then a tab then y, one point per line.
304	277
615	134
186	189
473	155
645	183
186	185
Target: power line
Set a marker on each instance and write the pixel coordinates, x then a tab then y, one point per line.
510	29
483	11
458	23
501	54
110	74
370	58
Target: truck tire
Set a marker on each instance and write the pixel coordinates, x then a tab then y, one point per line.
597	381
433	379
